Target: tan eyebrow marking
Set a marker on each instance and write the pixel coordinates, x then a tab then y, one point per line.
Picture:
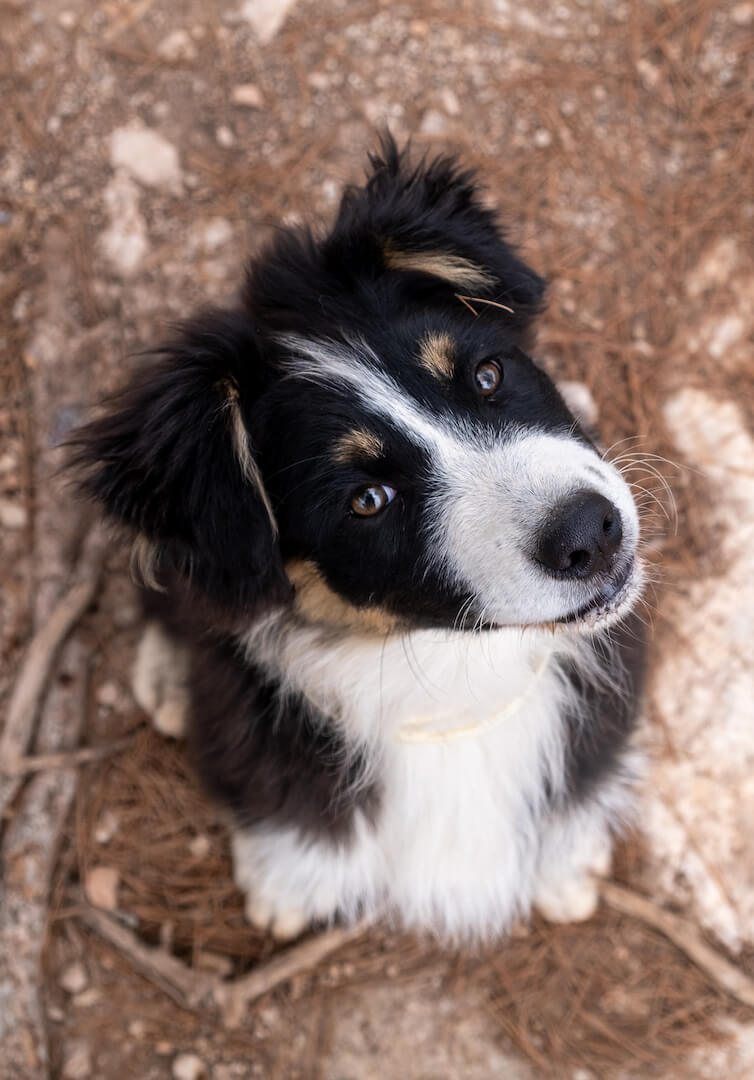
358	443
443	264
436	354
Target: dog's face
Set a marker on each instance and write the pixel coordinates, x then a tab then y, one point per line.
369	428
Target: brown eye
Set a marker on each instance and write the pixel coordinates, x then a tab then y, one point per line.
371	500
487	377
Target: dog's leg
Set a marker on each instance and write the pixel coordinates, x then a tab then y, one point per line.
292	880
159	680
575	853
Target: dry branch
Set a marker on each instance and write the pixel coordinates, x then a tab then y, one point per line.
685	935
40	657
192	990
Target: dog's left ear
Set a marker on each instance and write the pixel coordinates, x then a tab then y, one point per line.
427	222
172	458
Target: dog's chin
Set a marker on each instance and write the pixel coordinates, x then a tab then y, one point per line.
610	604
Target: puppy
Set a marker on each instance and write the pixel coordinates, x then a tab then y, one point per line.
391	578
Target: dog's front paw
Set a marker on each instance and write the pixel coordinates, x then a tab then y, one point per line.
573	901
283	923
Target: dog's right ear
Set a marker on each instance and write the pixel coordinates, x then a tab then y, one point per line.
172	458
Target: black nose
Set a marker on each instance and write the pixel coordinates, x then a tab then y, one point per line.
581	537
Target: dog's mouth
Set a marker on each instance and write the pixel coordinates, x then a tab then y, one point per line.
612	601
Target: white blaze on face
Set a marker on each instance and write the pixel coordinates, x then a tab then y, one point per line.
492	491
493	503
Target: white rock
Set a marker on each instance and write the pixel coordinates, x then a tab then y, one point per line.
74	979
12	515
177	46
224	136
199	846
67	19
102	887
108	694
106	827
433	122
743	14
124	243
265	17
450	102
77	1061
147	156
188	1067
542	138
248	95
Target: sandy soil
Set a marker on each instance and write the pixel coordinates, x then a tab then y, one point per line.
148	147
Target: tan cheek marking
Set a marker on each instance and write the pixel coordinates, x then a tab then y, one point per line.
443	264
358	443
317	602
436	355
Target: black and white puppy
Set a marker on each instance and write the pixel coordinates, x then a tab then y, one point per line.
392	577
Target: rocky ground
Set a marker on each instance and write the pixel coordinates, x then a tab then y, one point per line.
148	146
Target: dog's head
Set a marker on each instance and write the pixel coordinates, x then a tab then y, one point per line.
365	436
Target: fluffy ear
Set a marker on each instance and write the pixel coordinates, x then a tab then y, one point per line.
427	221
172	458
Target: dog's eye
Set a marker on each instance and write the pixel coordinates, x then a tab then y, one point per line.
487	377
371	500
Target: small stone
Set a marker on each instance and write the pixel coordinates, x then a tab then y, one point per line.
106	827
108	694
124	244
743	14
55	1014
649	73
265	17
89	997
163	1048
319	80
433	122
224	136
247	94
54	125
77	1061
147	156
67	19
12	515
542	138
188	1067
137	1029
199	846
74	979
177	46
450	102
102	887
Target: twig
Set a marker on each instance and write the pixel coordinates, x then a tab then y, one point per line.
685	935
193	990
35	671
189	989
233	997
66	759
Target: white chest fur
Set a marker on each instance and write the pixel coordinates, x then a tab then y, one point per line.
455	842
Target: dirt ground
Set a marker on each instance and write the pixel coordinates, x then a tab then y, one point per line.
147	147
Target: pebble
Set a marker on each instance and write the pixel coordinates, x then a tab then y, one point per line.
74	979
450	102
743	14
542	138
177	46
434	122
124	244
101	886
106	827
12	516
188	1067
265	17
224	136
137	1029
89	997
67	19
247	94
77	1062
147	156
108	694
163	1048
199	846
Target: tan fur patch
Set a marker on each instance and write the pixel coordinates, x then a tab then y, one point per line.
242	447
317	602
144	556
437	355
443	264
358	443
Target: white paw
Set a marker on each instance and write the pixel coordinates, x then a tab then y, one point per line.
159	681
283	923
573	901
